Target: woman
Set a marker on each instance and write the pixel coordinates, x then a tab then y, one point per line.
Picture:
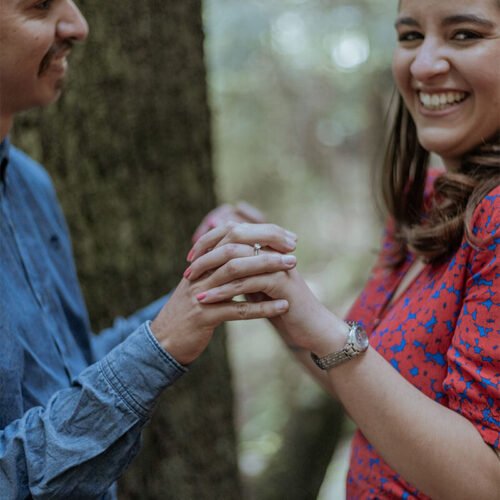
425	393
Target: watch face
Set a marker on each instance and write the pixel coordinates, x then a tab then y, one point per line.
361	339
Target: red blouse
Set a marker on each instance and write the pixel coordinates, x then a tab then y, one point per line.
443	335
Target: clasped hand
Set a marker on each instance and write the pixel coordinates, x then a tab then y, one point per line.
306	323
223	259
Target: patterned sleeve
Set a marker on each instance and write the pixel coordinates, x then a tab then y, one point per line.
473	380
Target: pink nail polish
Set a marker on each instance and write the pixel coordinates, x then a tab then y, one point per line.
187	272
201	296
190	255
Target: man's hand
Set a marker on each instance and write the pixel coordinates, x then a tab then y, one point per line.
306	324
185	325
241	212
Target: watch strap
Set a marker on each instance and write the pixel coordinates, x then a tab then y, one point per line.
348	352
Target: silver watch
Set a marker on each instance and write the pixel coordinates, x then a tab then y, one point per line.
356	343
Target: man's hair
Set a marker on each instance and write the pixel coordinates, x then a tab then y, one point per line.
436	231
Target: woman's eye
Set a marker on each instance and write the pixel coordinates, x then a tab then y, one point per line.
464	35
410	36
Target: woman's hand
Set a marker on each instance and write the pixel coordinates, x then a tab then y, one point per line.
307	324
185	324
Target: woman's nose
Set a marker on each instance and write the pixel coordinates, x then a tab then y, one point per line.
430	61
72	25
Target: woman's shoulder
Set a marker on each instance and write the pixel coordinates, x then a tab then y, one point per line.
485	220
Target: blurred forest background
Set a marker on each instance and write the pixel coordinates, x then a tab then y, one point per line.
299	92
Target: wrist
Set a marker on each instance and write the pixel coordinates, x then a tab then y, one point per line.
171	346
332	339
356	343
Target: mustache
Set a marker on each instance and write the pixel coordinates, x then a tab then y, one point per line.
56	50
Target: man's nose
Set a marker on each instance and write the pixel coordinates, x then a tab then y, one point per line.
72	25
430	61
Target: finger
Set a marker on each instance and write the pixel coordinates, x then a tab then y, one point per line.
233	311
211	220
209	240
266	283
203	228
269	235
216	258
241	268
249	212
233	261
217	220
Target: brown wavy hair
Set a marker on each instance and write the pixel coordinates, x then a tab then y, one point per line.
436	231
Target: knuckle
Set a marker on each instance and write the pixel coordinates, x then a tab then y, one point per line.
197	313
275	283
265	309
231	268
271	259
239	231
194	269
230	250
236	231
238	286
242	310
202	240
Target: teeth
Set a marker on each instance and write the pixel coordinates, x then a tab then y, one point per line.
441	101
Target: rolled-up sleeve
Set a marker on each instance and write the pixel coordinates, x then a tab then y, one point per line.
122	327
473	380
82	440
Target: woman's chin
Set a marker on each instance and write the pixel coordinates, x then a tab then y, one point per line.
446	150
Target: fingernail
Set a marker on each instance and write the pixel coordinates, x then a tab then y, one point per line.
282	305
290	243
187	272
289	260
292	236
190	255
201	296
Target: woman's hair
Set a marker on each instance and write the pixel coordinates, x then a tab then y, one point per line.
432	232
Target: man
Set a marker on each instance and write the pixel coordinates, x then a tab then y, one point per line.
72	406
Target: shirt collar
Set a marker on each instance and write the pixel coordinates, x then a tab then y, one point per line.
4	158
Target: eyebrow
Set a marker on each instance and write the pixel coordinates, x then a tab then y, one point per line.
448	21
405	21
467	18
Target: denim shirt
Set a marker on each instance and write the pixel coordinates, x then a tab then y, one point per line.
72	405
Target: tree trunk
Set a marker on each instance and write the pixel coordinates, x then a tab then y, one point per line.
297	470
128	145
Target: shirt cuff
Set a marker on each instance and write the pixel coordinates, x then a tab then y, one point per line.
139	369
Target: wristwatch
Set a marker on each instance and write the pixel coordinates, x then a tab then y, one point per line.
356	343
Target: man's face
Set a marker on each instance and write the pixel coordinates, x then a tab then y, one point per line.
35	40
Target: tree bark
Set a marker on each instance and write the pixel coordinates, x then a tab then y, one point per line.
129	148
297	470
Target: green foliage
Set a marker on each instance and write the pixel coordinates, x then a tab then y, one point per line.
299	90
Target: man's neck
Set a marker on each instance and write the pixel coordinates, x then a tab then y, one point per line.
5	125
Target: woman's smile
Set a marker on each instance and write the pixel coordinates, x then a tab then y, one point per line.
446	69
441	100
